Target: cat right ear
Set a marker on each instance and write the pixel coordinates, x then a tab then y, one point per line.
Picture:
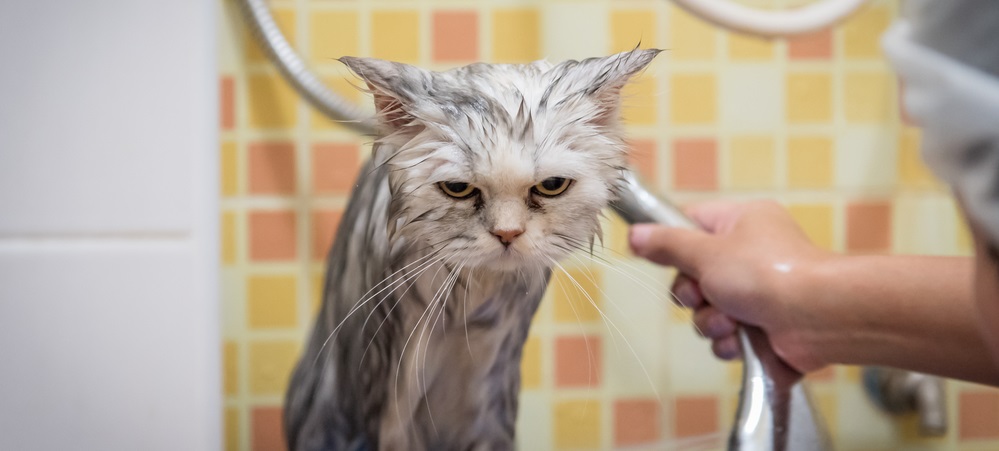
396	87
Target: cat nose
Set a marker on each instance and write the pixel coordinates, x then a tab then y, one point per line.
506	236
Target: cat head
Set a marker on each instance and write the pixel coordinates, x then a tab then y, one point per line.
496	165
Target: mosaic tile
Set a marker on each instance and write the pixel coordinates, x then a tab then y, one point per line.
578	361
810	163
227	236
862	33
227	103
639	101
230	368
812	46
575	291
516	35
643	157
272	103
324	226
868	227
285	20
867	97
333	34
335	167
979	415
808	97
817	222
272	301
229	169
530	364
270	366
749	48
690	38
912	171
266	429
752	162
272	235
395	35
455	36
271	168
695	416
577	424
631	28
231	431
636	421
693	99
695	164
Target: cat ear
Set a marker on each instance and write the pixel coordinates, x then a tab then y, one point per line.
601	79
395	87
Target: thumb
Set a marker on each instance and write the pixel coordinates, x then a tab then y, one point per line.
671	246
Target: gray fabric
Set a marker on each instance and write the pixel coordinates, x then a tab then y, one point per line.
965	30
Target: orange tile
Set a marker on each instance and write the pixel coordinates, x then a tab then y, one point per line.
813	46
578	361
695	164
636	421
272	168
324	225
643	157
868	227
516	35
695	416
227	103
272	235
456	36
978	415
334	167
267	429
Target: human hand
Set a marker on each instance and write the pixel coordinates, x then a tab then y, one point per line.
748	266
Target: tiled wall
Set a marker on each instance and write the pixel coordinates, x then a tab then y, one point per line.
812	122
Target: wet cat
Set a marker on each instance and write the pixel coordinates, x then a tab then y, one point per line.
482	178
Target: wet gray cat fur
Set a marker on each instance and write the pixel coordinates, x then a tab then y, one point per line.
427	306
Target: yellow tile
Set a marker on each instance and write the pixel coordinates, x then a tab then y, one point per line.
965	243
272	103
577	423
852	374
632	27
270	364
693	98
743	48
349	87
810	162
680	315
232	429
395	35
318	284
828	407
228	238
230	368
332	34
530	364
817	222
516	35
868	97
809	97
574	301
271	301
689	37
912	171
285	19
228	166
639	104
752	162
862	33
616	236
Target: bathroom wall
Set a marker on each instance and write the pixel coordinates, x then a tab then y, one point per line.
812	122
109	268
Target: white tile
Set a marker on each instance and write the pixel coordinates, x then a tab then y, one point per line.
865	158
925	225
101	127
108	350
692	366
753	98
572	31
534	421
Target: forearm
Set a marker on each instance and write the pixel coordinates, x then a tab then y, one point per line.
916	313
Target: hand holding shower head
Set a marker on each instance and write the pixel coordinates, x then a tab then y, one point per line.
774	410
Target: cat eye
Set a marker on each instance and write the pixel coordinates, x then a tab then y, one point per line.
552	186
458	190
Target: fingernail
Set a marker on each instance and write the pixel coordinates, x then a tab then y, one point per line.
638	236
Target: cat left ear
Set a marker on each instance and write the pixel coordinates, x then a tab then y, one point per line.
395	87
601	79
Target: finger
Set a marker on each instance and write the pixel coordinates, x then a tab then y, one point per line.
712	323
682	248
715	215
726	348
686	292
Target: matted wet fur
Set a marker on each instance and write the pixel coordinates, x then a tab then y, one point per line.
482	178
